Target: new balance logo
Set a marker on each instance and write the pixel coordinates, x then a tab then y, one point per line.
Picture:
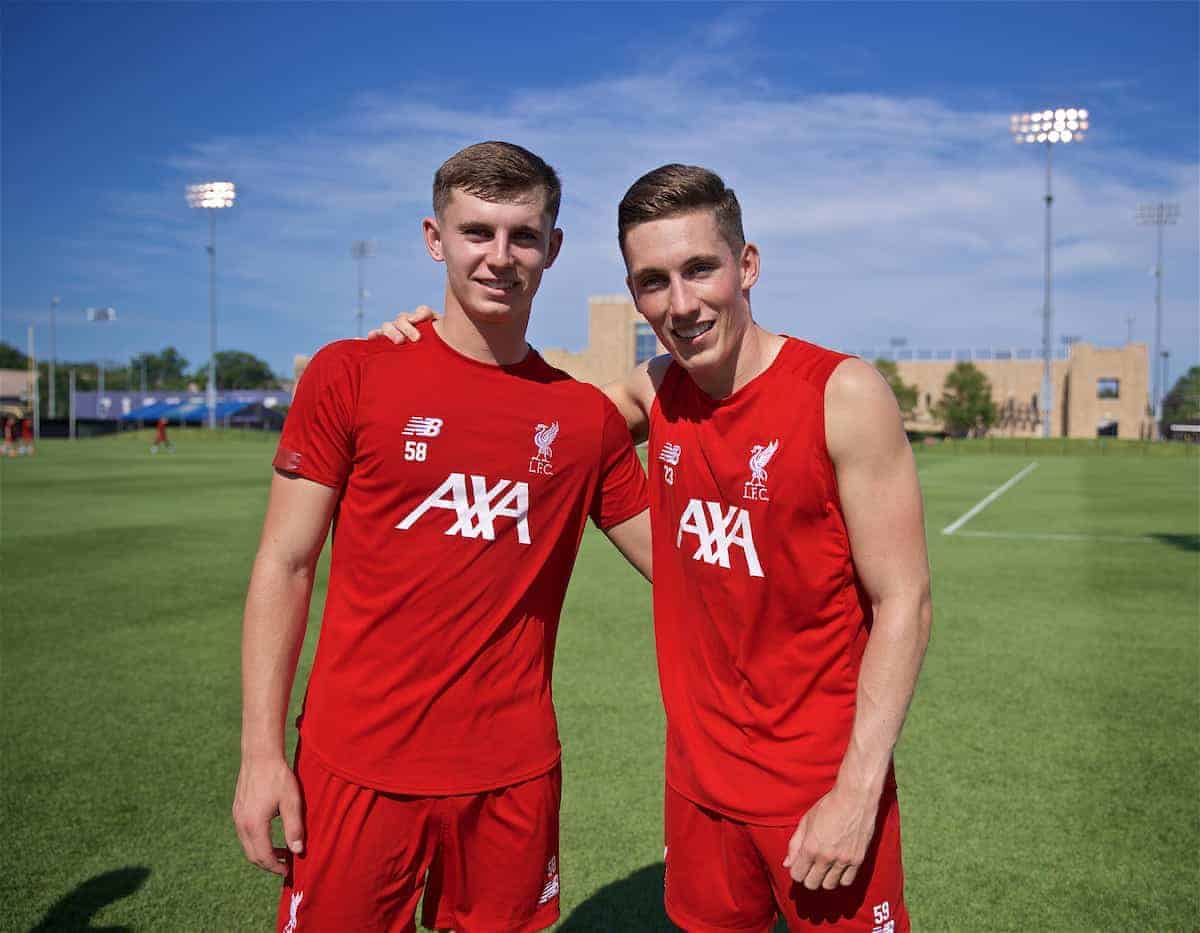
476	510
669	455
423	427
717	530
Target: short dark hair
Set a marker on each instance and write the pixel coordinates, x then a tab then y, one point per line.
497	171
679	189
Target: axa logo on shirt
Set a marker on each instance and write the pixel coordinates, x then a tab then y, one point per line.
477	508
717	530
420	426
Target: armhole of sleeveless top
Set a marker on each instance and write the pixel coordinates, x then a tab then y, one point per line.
668	381
821	374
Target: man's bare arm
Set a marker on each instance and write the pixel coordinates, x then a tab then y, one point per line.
275	618
632	538
881	501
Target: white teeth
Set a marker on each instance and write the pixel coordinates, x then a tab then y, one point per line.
690	333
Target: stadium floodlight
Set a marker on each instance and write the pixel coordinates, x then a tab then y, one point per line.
1056	127
100	316
361	250
1159	215
212	196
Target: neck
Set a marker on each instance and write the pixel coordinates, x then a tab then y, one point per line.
755	352
501	343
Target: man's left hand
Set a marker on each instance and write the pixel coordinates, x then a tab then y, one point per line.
831	839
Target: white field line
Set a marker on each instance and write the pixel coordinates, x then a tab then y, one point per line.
988	500
1051	536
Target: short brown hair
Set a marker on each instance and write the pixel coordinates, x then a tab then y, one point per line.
679	189
497	171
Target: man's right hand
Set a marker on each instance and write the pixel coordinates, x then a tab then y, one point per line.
403	327
266	789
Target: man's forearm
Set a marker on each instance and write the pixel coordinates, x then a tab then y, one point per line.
272	635
886	682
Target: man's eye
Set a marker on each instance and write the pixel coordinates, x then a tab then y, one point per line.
652	283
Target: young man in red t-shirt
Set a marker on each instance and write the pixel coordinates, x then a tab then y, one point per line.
791	586
428	759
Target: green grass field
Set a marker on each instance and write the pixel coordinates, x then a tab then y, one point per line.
1049	772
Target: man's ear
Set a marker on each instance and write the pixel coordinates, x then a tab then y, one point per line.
749	266
432	232
556	238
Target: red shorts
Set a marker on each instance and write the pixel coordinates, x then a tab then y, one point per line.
486	862
723	876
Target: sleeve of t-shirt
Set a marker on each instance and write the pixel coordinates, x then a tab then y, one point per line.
621	492
318	434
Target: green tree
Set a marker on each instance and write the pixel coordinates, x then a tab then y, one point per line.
165	370
11	357
1182	404
906	395
239	370
966	407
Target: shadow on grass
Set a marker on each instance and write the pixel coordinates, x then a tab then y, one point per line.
1183	542
633	904
74	911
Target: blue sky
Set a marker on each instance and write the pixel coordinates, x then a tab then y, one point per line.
868	144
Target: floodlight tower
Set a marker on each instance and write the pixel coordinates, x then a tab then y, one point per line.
361	250
1064	125
212	196
100	316
1158	215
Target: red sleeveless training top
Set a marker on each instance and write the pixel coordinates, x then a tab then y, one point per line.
759	618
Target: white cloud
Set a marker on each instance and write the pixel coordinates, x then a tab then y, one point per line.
878	215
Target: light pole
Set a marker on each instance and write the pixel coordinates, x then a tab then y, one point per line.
212	196
1159	215
1064	125
361	250
100	316
54	303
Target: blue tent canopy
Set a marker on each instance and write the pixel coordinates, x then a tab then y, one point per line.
188	412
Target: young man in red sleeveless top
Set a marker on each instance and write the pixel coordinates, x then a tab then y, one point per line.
428	760
791	584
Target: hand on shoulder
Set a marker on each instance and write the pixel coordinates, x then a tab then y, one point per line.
403	327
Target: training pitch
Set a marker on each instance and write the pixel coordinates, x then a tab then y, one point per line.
1049	772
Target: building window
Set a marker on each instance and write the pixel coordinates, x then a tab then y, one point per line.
645	345
1108	388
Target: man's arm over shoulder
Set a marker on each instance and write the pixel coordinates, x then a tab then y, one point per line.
881	501
634	395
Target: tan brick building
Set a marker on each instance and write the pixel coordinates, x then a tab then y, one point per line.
1097	391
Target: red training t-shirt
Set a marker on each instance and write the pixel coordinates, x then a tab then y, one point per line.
464	490
759	619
